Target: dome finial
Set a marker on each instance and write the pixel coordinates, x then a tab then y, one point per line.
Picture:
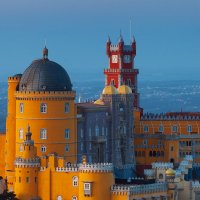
45	52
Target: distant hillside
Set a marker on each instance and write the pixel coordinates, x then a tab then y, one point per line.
155	96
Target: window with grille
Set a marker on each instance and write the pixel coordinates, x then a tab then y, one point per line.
43	134
43	108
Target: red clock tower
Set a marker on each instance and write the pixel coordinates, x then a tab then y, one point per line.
121	66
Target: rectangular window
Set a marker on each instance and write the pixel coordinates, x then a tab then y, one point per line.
174	128
43	108
67	147
21	107
43	134
67	133
189	128
87	189
144	142
172	148
21	147
81	146
66	107
81	133
20	179
161	128
146	128
27	179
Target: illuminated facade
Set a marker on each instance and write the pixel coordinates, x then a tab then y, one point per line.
55	148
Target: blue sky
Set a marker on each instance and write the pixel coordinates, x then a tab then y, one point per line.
167	33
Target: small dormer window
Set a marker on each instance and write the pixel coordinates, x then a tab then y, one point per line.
43	108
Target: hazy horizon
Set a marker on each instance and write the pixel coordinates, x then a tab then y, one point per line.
167	35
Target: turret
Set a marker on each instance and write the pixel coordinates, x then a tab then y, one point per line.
121	44
13	84
26	170
108	46
133	44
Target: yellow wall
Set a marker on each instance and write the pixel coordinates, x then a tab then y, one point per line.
55	121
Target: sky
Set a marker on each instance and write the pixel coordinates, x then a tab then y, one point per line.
167	33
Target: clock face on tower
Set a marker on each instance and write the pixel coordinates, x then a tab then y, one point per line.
127	59
114	58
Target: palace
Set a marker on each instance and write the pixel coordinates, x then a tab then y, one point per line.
55	148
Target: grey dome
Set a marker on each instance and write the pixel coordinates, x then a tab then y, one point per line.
45	75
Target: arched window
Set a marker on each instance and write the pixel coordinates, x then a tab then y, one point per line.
59	197
67	133
129	82
43	148
21	133
43	133
75	181
160	176
66	107
112	82
74	198
21	107
43	108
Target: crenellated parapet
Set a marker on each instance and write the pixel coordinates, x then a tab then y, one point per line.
96	167
196	185
32	162
149	172
139	189
45	95
170	117
162	165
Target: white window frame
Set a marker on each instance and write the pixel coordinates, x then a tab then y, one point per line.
21	133
21	107
146	128
189	128
67	107
74	198
75	181
174	128
43	148
43	133
67	133
87	186
161	128
59	197
21	147
43	108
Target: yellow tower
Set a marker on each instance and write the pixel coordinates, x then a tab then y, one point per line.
13	83
45	101
26	170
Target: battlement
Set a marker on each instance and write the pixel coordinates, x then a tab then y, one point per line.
32	162
110	70
139	189
195	185
14	78
67	169
96	167
170	117
162	165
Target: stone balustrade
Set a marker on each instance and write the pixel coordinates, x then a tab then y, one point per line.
139	189
149	172
96	167
162	165
32	162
